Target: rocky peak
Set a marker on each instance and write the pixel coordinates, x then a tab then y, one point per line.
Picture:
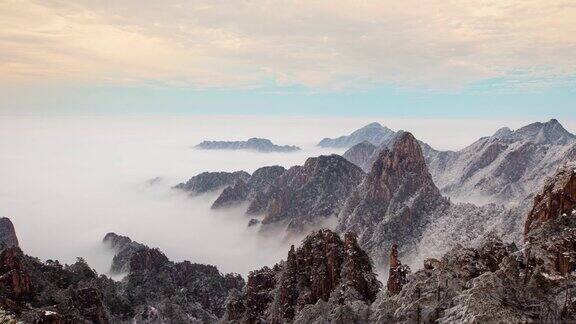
259	183
211	181
550	132
373	133
306	195
398	272
395	199
124	249
8	236
323	268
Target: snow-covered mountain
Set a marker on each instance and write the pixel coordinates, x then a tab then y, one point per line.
506	167
373	133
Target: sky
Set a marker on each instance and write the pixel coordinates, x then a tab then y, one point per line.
439	58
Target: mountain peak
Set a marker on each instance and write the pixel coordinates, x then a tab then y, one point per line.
550	132
373	133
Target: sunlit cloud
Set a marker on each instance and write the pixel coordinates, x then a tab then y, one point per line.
315	44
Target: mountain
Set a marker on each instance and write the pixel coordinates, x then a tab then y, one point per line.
255	144
154	290
304	196
211	181
360	153
259	182
373	133
325	280
496	282
394	201
507	166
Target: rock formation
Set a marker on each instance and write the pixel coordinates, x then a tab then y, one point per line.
323	272
395	200
550	228
397	274
304	196
360	153
373	133
124	248
241	191
8	236
254	144
211	181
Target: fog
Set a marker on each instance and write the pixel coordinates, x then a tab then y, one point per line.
67	181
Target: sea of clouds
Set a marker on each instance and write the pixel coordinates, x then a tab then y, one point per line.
67	181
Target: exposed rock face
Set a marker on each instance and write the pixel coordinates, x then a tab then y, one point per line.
360	153
259	183
124	248
550	228
394	201
8	236
373	133
303	196
211	181
505	167
323	272
255	144
14	278
558	197
397	274
233	195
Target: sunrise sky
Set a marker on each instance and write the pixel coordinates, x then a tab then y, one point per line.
400	58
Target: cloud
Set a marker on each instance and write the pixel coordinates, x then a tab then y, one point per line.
316	44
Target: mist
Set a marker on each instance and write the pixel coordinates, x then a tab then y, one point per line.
67	181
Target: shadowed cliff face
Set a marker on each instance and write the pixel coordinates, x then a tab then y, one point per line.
323	269
8	236
395	199
304	196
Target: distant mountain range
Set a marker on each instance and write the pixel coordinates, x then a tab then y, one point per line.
254	144
502	168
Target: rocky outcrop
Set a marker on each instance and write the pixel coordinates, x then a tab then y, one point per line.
304	196
8	236
168	291
397	274
395	200
373	133
557	198
360	153
550	228
211	181
254	144
323	271
259	183
124	249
